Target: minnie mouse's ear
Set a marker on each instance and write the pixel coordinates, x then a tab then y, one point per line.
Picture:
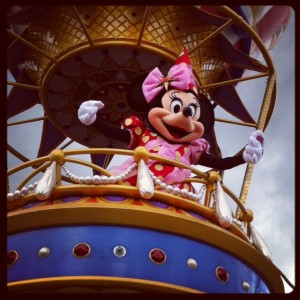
207	117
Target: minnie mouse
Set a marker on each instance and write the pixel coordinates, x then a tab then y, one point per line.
177	119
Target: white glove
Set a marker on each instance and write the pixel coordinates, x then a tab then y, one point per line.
87	111
254	150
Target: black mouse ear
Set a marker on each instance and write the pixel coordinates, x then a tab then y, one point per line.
207	117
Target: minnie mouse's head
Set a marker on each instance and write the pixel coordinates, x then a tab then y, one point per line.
177	111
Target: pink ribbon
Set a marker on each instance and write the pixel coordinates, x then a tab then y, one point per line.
179	76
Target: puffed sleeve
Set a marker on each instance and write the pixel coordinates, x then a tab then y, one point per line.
136	127
198	147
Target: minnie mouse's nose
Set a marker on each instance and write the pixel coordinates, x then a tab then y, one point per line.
187	111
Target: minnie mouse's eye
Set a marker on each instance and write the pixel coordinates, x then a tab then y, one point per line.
193	108
176	106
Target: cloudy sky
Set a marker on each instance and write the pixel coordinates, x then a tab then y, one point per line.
272	190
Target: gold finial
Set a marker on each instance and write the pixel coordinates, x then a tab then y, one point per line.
141	153
58	156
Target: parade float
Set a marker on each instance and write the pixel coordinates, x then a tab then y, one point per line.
74	226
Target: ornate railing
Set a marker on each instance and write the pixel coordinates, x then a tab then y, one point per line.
211	201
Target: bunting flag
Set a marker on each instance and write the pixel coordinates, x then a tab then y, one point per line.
51	138
29	97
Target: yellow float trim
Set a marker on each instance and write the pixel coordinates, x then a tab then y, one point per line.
95	284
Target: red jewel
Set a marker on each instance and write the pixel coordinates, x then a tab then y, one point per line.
81	250
158	256
222	274
12	257
165	79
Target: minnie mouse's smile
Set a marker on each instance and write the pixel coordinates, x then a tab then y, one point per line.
176	131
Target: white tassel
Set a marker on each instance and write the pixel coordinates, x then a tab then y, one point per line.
47	183
223	209
259	243
144	181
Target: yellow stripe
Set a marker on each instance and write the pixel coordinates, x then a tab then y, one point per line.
92	284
